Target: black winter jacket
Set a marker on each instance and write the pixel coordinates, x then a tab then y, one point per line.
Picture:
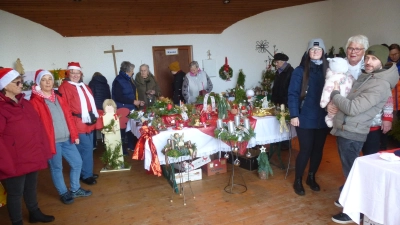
281	86
100	89
177	87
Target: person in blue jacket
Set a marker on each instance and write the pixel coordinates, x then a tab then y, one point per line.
124	94
304	95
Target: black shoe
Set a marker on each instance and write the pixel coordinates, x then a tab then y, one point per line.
311	182
38	216
298	186
18	223
89	181
95	176
342	218
66	198
337	204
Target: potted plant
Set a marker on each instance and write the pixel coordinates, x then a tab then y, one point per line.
264	168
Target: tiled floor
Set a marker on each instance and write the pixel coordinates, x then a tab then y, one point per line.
135	197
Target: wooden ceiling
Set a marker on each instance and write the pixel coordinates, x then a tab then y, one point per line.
76	18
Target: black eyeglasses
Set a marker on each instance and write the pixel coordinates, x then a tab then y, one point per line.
18	83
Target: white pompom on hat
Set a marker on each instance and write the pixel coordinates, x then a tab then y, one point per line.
74	66
6	76
38	76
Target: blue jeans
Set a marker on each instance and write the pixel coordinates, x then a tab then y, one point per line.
349	150
85	148
70	153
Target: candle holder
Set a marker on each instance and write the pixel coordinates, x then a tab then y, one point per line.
233	186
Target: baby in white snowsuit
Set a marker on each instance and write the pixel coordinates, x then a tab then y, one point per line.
337	71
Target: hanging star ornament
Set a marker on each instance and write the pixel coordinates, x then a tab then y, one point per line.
262	149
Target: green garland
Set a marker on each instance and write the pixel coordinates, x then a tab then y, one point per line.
222	75
200	98
226	136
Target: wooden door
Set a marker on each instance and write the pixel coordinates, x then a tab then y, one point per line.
161	62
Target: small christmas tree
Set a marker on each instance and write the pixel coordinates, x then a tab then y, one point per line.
240	93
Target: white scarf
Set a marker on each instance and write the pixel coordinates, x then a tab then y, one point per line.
84	108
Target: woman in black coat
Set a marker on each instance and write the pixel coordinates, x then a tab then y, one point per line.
100	89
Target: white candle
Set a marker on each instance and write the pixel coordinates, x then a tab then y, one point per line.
219	123
231	127
282	107
237	120
246	123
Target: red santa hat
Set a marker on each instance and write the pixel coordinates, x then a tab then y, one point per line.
38	76
74	66
6	76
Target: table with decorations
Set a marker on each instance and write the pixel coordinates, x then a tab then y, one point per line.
249	127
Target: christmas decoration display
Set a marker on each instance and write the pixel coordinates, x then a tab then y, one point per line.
240	93
225	73
264	168
112	158
283	117
262	46
176	147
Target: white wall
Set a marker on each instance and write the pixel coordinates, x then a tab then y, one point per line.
378	20
289	29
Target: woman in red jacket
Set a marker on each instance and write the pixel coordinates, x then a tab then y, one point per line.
61	131
24	149
83	108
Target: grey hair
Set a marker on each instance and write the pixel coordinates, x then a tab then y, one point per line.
194	63
126	66
145	66
359	39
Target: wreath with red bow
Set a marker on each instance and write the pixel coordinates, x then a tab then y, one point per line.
225	73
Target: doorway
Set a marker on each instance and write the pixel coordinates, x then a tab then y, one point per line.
164	78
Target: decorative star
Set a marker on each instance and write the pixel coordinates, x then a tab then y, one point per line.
262	149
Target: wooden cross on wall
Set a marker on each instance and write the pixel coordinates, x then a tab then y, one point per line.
113	51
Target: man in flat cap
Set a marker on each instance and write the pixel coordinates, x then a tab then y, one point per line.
282	78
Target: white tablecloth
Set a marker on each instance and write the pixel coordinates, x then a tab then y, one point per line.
373	188
267	131
206	145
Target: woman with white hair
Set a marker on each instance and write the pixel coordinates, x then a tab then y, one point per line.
195	82
147	87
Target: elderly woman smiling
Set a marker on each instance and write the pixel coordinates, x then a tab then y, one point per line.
195	82
24	149
62	134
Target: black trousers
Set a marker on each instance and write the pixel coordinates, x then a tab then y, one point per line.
311	143
372	144
17	187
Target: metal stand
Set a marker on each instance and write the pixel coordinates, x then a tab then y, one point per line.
232	187
181	188
290	147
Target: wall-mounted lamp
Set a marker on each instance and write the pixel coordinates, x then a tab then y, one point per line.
226	1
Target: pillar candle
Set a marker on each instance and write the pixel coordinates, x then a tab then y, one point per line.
219	123
231	127
246	122
282	107
237	120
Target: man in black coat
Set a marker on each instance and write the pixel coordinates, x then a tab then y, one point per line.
177	83
282	79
